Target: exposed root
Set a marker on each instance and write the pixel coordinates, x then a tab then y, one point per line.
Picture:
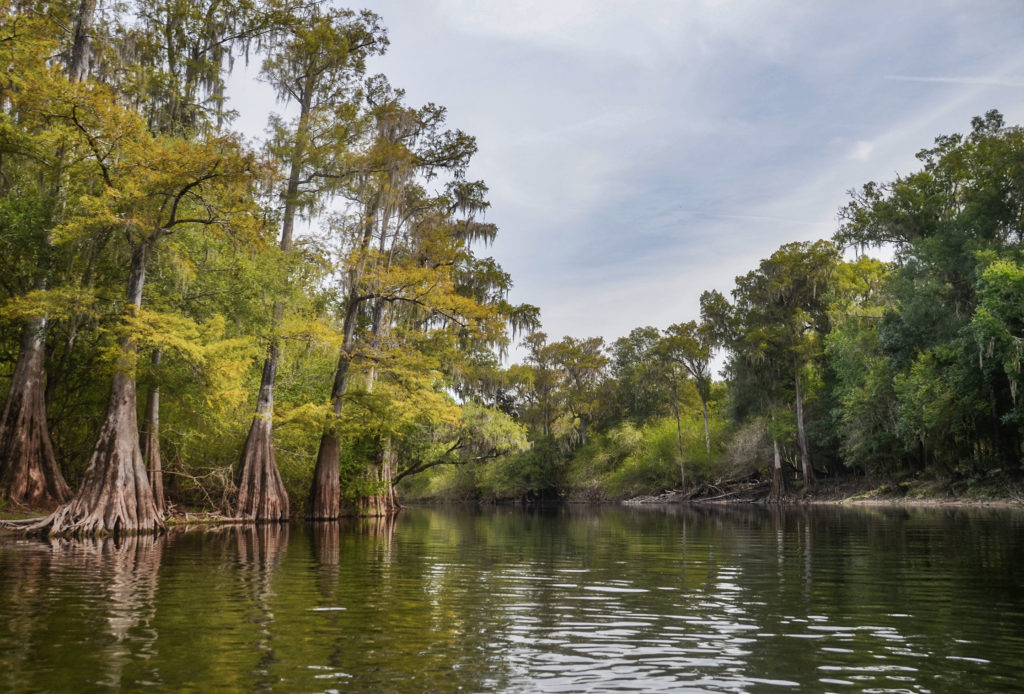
325	493
29	475
115	496
261	493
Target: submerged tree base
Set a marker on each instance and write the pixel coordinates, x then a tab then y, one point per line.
29	476
261	493
115	497
325	494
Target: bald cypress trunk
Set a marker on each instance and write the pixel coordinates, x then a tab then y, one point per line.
150	441
115	496
778	481
261	493
81	49
381	472
29	475
801	435
325	493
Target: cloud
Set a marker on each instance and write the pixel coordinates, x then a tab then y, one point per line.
862	150
649	34
979	81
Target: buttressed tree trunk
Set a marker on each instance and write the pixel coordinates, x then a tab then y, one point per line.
29	475
115	496
261	493
150	441
325	493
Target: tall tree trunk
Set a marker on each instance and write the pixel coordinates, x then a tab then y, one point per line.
381	474
382	471
325	492
707	427
115	496
150	442
261	493
801	435
81	49
679	434
29	475
778	481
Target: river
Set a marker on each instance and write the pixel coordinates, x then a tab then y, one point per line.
572	599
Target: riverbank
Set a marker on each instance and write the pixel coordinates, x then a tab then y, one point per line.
855	491
850	491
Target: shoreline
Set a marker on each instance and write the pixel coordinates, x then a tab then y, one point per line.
917	493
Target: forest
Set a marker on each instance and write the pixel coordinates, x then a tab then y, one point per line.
837	365
310	326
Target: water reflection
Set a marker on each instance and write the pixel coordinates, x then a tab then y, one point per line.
572	599
103	591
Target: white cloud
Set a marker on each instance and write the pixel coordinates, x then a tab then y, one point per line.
980	81
862	150
649	34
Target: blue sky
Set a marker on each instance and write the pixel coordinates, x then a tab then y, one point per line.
639	152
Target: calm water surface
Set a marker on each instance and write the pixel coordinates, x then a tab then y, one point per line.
616	599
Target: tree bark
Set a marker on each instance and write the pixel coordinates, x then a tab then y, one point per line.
115	496
29	475
150	441
707	428
778	481
801	435
325	493
679	435
81	49
261	493
382	473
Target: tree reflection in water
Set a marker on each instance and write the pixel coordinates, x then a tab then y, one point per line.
116	577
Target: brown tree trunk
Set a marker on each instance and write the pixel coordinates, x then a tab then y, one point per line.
325	492
115	496
707	428
150	441
81	49
261	493
29	475
778	481
382	471
801	435
679	435
382	474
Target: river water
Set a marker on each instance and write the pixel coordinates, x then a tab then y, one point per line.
568	600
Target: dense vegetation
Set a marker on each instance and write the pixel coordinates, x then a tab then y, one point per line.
146	246
836	364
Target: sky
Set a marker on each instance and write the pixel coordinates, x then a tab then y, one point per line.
639	152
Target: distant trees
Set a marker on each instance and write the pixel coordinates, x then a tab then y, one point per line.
901	368
939	335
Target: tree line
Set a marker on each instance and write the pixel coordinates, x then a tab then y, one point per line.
835	363
166	330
